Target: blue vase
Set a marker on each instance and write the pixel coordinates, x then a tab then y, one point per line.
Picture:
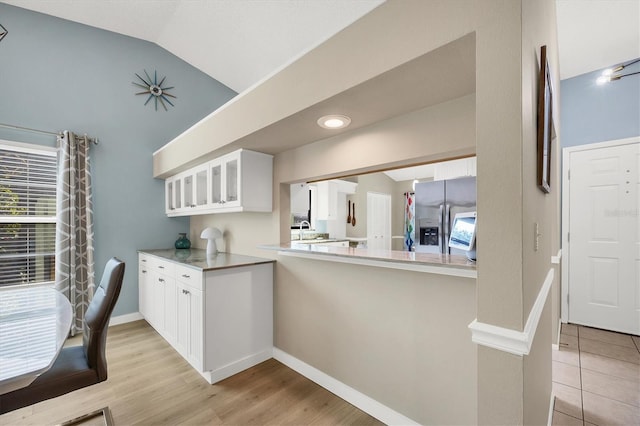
183	242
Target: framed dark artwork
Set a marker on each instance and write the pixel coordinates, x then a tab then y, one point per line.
545	123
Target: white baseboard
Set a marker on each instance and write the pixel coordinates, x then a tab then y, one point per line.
551	407
506	339
352	396
237	366
123	319
556	346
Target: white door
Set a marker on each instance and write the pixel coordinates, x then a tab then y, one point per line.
378	221
604	238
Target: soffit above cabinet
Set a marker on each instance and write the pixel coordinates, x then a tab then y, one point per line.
363	72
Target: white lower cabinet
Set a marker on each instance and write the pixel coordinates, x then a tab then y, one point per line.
220	321
157	295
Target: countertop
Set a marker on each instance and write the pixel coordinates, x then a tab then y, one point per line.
427	262
197	258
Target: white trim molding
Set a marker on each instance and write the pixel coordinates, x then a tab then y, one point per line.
556	259
506	339
122	319
352	396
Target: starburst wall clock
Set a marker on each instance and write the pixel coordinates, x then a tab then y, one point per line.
3	32
155	89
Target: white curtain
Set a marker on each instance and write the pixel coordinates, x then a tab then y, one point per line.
75	275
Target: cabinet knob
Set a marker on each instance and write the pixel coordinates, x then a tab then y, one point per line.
144	271
161	267
185	291
160	280
186	276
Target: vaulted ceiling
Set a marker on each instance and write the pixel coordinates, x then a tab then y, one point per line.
240	42
237	42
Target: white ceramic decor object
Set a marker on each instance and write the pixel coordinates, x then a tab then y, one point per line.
211	234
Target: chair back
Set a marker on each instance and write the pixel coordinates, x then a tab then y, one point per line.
96	318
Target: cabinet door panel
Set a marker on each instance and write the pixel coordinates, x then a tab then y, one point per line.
177	194
196	337
156	308
215	173
182	320
188	191
189	338
201	190
170	313
232	171
169	196
143	291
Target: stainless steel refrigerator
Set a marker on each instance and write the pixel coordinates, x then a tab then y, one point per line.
436	205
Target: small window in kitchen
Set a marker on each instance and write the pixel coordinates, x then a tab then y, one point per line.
27	213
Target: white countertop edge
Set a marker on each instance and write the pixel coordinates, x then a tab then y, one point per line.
405	266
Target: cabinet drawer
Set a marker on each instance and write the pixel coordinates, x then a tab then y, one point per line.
143	260
160	266
189	276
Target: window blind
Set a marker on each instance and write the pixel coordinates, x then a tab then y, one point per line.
27	214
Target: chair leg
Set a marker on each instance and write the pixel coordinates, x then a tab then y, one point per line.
105	412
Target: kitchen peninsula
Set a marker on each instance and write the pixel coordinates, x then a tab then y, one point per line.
216	311
433	263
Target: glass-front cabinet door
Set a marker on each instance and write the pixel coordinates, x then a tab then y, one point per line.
170	205
201	187
173	195
188	191
195	188
232	180
215	173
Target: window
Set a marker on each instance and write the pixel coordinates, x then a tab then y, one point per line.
27	213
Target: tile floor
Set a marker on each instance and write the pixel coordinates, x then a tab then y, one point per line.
596	378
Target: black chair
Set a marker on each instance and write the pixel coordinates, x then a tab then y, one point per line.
78	366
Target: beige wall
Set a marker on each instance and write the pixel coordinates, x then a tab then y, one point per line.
498	124
538	28
399	337
427	135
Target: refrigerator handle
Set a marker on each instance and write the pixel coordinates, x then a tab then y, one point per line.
440	230
447	221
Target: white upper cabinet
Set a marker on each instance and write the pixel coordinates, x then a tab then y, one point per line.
236	182
225	177
328	193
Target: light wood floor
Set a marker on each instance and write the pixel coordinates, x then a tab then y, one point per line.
150	384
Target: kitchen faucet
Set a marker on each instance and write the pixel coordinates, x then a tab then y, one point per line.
301	232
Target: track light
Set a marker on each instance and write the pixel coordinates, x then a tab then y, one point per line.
610	73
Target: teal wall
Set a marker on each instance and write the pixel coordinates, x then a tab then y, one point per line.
598	113
58	75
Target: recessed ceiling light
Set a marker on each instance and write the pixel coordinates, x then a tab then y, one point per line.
334	121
